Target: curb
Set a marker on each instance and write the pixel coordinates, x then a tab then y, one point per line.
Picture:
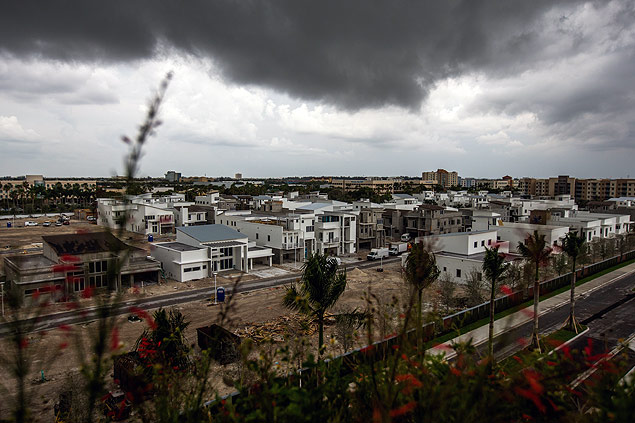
569	341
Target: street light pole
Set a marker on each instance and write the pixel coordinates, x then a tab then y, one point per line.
215	291
2	288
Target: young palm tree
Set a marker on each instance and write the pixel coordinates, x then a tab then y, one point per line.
421	271
573	246
494	268
536	250
319	288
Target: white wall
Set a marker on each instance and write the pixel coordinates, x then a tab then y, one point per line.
465	243
452	264
175	262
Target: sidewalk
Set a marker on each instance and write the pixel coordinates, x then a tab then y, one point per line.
504	324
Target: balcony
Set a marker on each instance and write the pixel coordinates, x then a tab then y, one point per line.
335	240
289	245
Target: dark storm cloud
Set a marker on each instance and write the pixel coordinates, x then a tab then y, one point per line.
353	54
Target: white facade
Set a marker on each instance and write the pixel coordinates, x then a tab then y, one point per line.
182	262
518	232
143	218
207	200
460	253
336	233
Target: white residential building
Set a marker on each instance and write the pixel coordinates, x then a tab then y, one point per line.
199	251
144	218
461	253
290	237
209	199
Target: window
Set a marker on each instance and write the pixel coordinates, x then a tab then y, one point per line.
483	243
475	244
256	235
489	242
458	273
204	266
192	269
268	237
445	269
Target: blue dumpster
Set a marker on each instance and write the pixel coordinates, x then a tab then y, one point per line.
150	238
220	294
8	224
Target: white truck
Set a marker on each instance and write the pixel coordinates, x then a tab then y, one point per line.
405	237
377	253
397	248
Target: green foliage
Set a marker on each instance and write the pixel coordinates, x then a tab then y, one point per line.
318	290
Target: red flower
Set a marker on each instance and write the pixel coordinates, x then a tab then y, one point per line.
506	290
63	345
23	343
533	397
406	408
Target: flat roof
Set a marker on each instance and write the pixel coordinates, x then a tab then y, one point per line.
484	231
179	246
85	243
211	233
31	261
224	244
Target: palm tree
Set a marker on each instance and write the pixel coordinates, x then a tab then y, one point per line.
536	250
319	288
494	268
573	246
420	272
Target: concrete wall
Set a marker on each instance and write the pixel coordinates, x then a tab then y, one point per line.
452	264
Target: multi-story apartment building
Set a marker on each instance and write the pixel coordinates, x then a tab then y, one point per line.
379	185
442	177
430	219
580	189
370	225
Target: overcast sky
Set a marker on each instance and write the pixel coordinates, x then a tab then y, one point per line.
282	88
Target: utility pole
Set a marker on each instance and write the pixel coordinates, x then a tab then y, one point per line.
2	290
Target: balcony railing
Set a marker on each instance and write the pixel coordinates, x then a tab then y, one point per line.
332	241
290	245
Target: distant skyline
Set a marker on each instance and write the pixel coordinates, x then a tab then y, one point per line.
273	89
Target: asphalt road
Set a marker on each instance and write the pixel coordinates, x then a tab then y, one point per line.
51	321
608	312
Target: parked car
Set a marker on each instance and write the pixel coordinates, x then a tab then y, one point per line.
30	223
91	218
58	223
47	223
66	222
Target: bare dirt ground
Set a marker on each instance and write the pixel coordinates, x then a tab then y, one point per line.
251	310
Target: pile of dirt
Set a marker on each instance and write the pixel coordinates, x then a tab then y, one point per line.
357	273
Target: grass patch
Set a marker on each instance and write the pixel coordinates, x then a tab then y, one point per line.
474	325
559	337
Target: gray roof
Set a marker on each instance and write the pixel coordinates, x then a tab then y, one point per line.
262	197
209	233
402	196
